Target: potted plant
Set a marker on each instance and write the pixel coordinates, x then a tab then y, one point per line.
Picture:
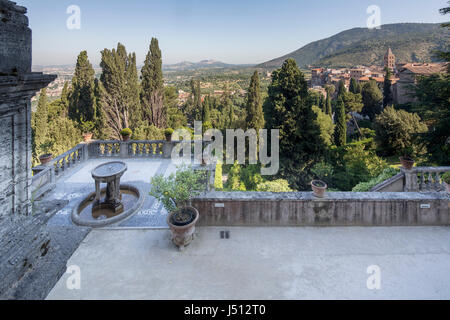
319	188
47	157
87	128
407	160
175	193
168	133
446	179
126	134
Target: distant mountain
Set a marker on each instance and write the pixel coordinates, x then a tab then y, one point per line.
204	64
410	42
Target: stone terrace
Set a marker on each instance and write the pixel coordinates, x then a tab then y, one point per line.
263	263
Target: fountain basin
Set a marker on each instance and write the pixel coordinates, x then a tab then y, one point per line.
88	213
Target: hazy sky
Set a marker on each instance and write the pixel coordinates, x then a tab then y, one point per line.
232	31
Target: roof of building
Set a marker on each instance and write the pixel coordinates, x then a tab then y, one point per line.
423	68
371	78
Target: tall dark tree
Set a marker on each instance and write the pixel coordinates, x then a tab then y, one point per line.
372	99
119	89
255	115
65	98
341	90
152	94
82	101
207	105
388	98
39	122
353	86
329	108
340	131
288	110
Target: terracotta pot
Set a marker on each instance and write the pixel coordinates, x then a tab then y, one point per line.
183	235
447	188
407	162
46	159
87	137
319	188
126	138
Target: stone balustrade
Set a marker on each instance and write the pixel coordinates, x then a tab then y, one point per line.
418	179
45	176
425	179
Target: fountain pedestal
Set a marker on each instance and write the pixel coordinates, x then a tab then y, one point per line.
109	173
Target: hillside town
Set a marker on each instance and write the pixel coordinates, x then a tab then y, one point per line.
404	74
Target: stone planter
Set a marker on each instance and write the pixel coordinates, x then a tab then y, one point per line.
87	137
407	162
126	138
182	235
46	159
168	137
319	188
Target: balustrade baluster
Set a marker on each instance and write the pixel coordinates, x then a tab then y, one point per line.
144	150
422	181
430	181
437	183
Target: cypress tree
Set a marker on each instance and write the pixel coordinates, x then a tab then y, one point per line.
119	87
207	109
152	95
39	122
372	99
82	100
342	90
340	132
353	86
329	108
255	115
387	93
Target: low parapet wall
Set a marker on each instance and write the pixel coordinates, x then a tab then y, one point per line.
337	209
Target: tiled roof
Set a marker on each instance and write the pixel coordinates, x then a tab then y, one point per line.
423	68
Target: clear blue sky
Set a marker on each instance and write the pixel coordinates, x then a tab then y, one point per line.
233	31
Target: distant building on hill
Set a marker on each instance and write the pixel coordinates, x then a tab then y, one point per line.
408	74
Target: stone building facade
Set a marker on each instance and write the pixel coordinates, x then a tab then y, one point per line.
17	86
408	73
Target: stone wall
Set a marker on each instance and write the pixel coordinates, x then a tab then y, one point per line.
15	39
24	239
337	209
17	86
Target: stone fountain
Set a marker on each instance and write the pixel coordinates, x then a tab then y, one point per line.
109	173
110	205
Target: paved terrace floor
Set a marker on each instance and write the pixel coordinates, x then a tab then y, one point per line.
263	263
78	183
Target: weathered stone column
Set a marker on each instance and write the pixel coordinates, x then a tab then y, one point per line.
17	85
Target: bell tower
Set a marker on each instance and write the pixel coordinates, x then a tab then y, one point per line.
389	60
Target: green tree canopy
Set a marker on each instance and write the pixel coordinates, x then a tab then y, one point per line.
152	94
340	133
372	99
119	89
288	110
397	130
82	100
